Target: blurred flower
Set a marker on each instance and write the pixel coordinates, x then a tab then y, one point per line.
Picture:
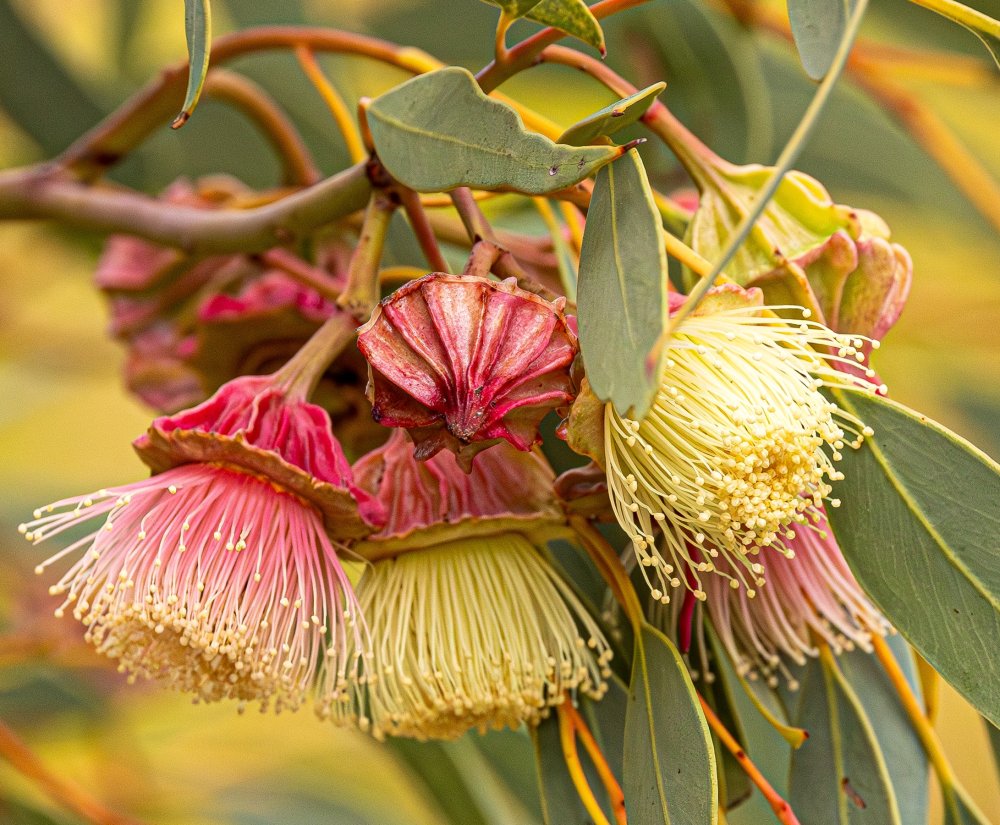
738	446
463	362
218	574
813	595
471	625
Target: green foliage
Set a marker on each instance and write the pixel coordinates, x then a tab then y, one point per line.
919	516
669	773
622	289
198	32
439	131
817	26
612	118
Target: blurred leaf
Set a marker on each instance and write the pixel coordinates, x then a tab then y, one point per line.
981	25
905	760
198	32
839	775
608	716
462	782
571	16
817	26
669	761
37	91
623	285
514	8
612	118
439	131
994	734
561	804
734	785
511	754
960	810
927	500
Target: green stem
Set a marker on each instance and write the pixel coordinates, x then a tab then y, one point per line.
45	192
783	164
362	291
300	375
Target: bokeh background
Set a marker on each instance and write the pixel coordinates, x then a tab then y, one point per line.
66	423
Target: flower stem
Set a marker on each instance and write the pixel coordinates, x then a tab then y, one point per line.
422	229
610	567
335	103
951	789
301	271
69	796
608	779
301	373
362	291
571	756
782	810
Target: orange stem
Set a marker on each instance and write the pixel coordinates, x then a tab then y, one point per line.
614	790
13	749
334	102
575	768
781	808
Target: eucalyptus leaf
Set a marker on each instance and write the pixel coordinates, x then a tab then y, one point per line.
720	693
960	810
561	804
669	769
439	131
817	27
905	759
198	32
838	777
621	295
571	16
612	118
920	528
514	8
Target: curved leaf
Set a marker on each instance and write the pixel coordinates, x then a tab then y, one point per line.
817	27
622	289
198	31
612	118
920	527
669	770
439	131
905	759
838	777
571	16
514	8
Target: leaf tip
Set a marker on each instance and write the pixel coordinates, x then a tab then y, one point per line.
180	120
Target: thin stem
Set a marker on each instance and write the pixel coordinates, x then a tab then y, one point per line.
472	216
260	107
523	55
782	165
422	229
334	102
362	291
951	789
574	222
43	192
301	373
609	564
69	796
481	259
500	53
782	810
608	779
962	14
572	758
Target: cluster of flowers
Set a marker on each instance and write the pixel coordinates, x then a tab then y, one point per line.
411	593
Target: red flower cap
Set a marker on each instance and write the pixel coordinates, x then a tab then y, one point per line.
253	425
434	501
463	362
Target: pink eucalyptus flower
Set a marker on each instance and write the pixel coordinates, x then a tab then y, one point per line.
471	625
810	595
464	362
219	574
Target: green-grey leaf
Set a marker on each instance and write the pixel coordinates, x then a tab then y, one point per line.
669	771
571	16
905	759
838	777
817	27
920	527
439	131
960	810
612	118
621	295
514	8
560	801
198	31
